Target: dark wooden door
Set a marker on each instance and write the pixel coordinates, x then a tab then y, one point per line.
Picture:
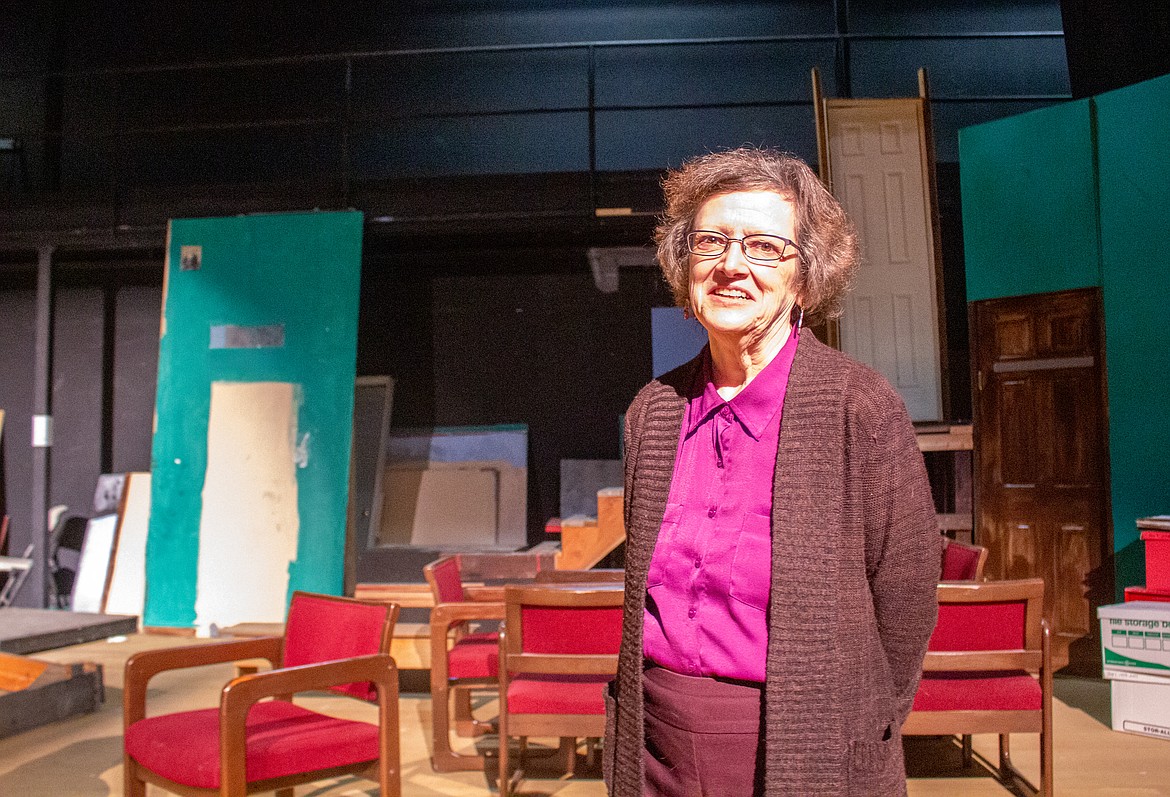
1042	497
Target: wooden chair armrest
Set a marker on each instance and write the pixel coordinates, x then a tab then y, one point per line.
143	666
483	593
242	693
446	615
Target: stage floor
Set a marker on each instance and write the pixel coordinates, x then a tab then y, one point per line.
32	630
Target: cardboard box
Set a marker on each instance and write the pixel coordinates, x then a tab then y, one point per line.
1141	707
1135	637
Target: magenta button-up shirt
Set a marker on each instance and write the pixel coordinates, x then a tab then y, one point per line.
710	576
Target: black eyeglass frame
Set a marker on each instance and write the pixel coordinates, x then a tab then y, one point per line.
728	240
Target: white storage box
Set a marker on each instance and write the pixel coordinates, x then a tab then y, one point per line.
1142	707
1135	656
1135	638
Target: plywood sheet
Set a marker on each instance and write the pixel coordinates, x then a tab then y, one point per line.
503	447
249	525
441	506
127	593
297	270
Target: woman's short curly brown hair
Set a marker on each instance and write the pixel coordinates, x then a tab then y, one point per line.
828	243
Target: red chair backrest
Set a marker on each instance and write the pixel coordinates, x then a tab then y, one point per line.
989	616
326	628
571	629
980	626
961	562
446	579
564	619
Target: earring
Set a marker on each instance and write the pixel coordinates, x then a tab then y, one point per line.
800	318
687	312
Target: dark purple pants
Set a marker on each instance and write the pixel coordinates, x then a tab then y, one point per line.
702	736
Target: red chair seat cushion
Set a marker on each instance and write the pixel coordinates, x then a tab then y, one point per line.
976	691
282	739
557	694
475	656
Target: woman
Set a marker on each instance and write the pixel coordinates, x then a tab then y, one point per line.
782	550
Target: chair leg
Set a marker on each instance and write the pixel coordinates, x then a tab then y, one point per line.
465	722
503	757
568	752
132	786
968	751
1009	773
443	758
591	751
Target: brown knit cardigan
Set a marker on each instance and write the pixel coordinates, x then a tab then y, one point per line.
855	559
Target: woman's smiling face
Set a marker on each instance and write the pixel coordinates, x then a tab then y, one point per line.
739	301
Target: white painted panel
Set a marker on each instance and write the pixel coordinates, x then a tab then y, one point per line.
127	594
877	162
853	200
896	232
861	330
94	566
250	524
851	139
891	138
904	348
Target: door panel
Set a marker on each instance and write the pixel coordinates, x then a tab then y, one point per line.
1041	472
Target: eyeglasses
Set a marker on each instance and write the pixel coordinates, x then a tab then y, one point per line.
767	250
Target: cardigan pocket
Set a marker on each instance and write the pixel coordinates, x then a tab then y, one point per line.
876	768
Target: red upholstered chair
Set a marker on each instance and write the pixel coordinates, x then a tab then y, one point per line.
250	744
558	650
463	660
962	561
988	670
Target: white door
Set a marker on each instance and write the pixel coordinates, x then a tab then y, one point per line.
891	318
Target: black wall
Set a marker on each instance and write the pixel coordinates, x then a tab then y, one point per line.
1111	45
478	159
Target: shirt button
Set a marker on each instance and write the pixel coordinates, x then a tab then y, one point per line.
726	413
698	563
691	613
711	512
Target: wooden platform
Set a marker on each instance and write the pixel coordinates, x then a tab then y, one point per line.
35	693
34	630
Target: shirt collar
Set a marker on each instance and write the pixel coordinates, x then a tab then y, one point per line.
755	405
